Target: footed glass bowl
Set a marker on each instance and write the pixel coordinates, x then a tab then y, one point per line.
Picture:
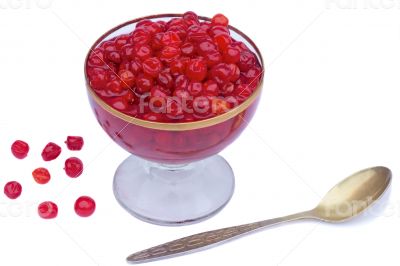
174	175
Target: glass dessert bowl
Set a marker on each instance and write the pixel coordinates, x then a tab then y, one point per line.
174	175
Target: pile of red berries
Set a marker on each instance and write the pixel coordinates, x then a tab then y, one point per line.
84	206
177	71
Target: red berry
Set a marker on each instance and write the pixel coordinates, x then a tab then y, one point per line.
158	96
196	33
121	41
222	41
196	70
98	79
190	15
178	66
128	52
174	109
201	105
85	206
232	54
142	52
41	175
220	19
165	79
181	82
113	56
140	37
247	60
156	42
217	30
135	67
144	84
187	49
213	59
119	103
210	88
152	67
252	75
180	30
51	151
171	38
242	92
195	88
109	46
221	73
48	210
114	88
206	47
74	143
182	94
169	54
73	167
130	97
20	149
13	189
220	106
127	79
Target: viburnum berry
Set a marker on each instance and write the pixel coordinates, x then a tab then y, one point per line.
220	19
196	70
195	88
41	175
127	79
232	54
51	151
144	84
13	189
73	167
171	38
187	49
20	149
210	88
220	106
85	206
74	143
158	96
140	37
169	54
48	210
142	51
121	41
152	67
165	79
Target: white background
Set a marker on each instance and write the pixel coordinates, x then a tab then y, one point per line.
330	107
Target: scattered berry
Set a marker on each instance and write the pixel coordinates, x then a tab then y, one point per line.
73	167
48	210
51	151
13	189
20	149
85	206
74	143
41	175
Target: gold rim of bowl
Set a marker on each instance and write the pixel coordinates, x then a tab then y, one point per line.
175	126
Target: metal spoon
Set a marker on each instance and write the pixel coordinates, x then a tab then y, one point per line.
344	201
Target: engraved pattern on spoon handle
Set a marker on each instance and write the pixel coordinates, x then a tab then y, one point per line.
201	240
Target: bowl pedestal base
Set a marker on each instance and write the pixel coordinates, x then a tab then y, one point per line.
173	194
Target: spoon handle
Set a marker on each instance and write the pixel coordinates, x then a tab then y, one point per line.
207	239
